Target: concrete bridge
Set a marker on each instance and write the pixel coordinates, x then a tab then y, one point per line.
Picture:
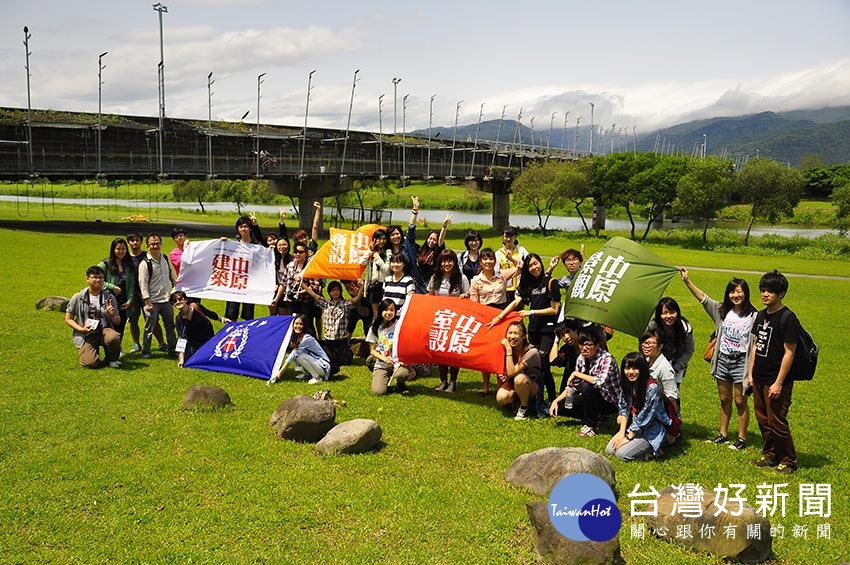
308	165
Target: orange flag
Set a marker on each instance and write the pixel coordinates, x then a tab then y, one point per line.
341	256
451	331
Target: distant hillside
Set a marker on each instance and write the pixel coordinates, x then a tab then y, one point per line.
786	136
490	129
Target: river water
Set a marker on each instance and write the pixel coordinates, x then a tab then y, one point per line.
433	217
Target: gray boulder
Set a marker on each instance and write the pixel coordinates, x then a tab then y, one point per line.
553	547
708	532
53	304
204	396
302	418
539	471
353	436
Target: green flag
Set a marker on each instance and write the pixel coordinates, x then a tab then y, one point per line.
619	286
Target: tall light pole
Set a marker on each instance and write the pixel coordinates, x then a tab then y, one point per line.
381	135
613	129
564	135
549	139
403	138
430	123
575	139
634	140
257	133
704	144
396	80
590	141
475	143
210	82
454	141
27	36
532	134
498	133
304	136
159	7
100	68
348	125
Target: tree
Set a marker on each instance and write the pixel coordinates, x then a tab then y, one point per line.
576	178
770	188
191	190
235	191
611	182
702	190
654	186
542	187
841	200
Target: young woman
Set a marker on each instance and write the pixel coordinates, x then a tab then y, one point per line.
507	253
427	254
377	270
641	413
651	344
469	260
248	232
448	281
120	279
522	371
380	340
307	355
542	295
489	288
678	336
292	294
596	381
282	257
398	285
733	321
193	324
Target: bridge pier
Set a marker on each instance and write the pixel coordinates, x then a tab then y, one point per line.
309	190
501	190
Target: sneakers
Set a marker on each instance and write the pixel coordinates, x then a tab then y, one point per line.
784	469
163	347
719	440
401	388
146	355
442	387
452	387
739	445
115	364
764	462
521	414
136	348
315	381
586	431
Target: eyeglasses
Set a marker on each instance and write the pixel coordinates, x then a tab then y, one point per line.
649	343
302	252
154	244
178	300
588	345
572	261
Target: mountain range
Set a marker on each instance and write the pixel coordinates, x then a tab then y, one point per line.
817	136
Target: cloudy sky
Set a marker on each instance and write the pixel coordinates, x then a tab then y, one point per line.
646	64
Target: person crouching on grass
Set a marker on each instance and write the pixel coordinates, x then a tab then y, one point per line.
380	340
93	314
522	370
774	343
307	355
194	327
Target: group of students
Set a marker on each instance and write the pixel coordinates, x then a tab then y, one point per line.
593	388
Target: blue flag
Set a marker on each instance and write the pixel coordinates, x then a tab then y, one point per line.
254	348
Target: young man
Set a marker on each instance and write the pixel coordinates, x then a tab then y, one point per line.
773	346
155	282
178	234
137	255
93	313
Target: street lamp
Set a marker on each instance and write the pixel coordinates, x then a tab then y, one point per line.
430	122
210	82
475	143
590	142
27	36
704	144
613	129
395	103
549	139
304	137
575	139
454	141
634	140
159	7
348	125
564	135
532	134
257	133
381	135
498	133
403	138
100	68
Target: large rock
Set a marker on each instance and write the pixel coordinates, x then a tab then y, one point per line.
53	303
204	396
302	418
709	532
539	471
353	436
553	547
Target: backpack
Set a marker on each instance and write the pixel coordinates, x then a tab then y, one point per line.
674	428
806	356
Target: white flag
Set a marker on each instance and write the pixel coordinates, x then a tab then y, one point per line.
228	270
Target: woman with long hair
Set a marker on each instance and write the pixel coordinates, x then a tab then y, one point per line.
282	257
507	253
306	354
299	301
193	324
120	278
642	414
542	295
380	340
448	281
678	335
377	269
470	260
522	371
398	285
733	321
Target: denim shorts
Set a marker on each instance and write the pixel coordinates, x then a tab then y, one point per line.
730	367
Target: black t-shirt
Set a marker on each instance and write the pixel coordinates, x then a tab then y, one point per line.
538	298
770	333
567	357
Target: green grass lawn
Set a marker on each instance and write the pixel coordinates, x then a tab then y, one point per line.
104	466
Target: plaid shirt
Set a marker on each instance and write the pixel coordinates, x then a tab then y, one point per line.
335	318
606	375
